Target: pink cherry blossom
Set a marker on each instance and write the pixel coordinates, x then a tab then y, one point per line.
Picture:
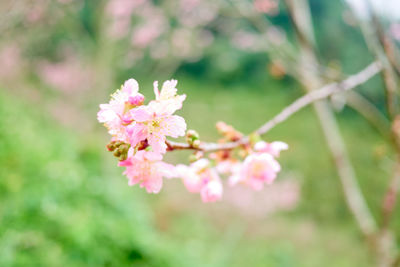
273	148
257	169
194	176
212	191
155	121
146	169
114	115
168	94
200	178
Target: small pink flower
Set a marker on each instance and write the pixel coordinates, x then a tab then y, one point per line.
146	169
257	169
194	176
200	178
273	148
212	191
114	115
155	121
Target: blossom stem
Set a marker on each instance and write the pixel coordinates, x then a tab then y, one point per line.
322	93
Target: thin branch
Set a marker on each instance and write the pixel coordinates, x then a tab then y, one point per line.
352	192
370	112
322	93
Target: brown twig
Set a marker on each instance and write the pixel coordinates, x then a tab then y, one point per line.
352	192
322	93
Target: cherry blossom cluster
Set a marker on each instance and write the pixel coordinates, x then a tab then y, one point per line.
139	133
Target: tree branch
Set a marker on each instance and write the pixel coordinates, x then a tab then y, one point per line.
322	93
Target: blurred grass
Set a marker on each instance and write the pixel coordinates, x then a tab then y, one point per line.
65	203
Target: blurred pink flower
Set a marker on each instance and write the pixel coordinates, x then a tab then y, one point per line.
119	27
147	169
273	148
181	40
144	35
10	60
67	76
122	8
212	191
257	169
120	12
200	178
245	40
194	13
36	13
266	6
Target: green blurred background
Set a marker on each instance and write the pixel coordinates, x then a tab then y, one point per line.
63	200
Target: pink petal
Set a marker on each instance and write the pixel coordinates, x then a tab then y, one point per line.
137	132
131	87
173	126
141	114
157	142
153	184
212	191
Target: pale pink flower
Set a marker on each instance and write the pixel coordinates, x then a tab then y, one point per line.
228	166
69	75
146	169
114	115
194	176
257	169
212	191
195	13
155	121
273	148
144	35
200	178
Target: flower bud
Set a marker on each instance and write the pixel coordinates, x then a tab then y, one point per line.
111	146
123	157
191	137
117	153
196	143
192	134
136	100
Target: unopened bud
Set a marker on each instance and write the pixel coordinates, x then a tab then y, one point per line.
111	146
123	157
192	134
117	153
136	100
196	143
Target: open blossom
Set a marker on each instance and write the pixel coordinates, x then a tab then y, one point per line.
139	141
155	121
257	169
146	169
200	178
114	115
273	148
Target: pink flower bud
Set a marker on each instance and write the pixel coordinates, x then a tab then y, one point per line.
136	100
